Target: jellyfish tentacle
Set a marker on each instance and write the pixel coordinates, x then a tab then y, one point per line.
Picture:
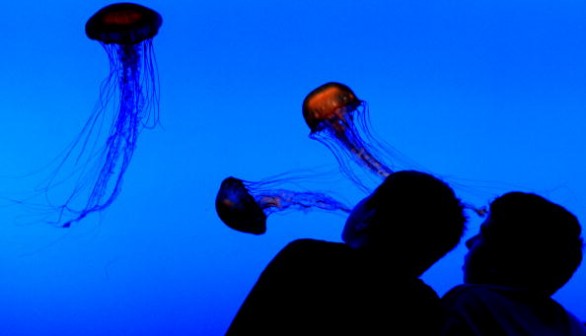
350	137
283	199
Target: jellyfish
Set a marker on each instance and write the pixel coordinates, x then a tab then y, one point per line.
128	102
245	205
339	120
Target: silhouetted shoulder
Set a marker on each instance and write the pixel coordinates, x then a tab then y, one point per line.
307	244
315	287
305	263
299	287
496	310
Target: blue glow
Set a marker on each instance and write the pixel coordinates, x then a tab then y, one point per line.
489	95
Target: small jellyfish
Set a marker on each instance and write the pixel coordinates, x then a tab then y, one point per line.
97	160
339	120
244	205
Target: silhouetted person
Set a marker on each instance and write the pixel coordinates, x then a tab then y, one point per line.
526	250
370	285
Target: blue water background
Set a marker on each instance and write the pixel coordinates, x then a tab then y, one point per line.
490	95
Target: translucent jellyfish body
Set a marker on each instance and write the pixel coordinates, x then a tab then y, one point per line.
98	159
245	206
340	121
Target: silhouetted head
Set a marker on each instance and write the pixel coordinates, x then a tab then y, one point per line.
525	242
412	217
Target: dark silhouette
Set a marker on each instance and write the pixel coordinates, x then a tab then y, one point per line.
525	251
370	285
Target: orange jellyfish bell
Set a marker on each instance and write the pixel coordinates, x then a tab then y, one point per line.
123	23
328	103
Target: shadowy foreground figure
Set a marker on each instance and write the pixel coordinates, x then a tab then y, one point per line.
370	285
525	251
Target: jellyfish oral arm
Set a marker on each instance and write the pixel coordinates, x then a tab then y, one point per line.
361	154
282	199
123	135
350	149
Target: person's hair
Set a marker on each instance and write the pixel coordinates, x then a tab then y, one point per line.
537	243
418	214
